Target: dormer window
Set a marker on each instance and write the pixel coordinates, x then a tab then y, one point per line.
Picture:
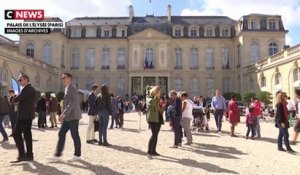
106	33
122	31
90	32
225	32
272	24
253	24
76	32
209	32
177	32
193	32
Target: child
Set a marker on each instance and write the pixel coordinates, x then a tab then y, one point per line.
250	123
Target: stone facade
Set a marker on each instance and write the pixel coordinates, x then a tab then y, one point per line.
194	53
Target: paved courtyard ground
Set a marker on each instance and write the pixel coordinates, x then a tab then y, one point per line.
210	153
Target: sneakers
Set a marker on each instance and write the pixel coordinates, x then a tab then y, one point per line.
54	159
74	158
219	132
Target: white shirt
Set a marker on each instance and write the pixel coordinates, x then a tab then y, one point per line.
290	105
188	112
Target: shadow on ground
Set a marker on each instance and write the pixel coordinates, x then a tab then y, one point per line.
40	169
82	164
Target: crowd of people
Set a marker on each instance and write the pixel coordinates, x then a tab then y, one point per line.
179	109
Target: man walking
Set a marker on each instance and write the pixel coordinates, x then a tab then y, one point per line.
12	110
92	112
218	103
25	101
4	110
70	120
41	108
53	105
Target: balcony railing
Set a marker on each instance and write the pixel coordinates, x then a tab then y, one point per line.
210	68
178	67
149	67
121	67
194	68
89	68
225	67
105	67
74	68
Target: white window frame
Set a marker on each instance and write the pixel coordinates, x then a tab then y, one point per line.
210	58
273	48
121	58
178	58
75	59
210	87
178	84
47	53
90	58
225	58
76	32
194	58
106	57
30	50
255	51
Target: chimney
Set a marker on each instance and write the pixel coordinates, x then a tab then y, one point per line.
131	13
169	12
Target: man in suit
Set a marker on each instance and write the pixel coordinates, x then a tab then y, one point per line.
70	120
25	115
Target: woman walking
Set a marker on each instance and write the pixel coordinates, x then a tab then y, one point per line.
282	123
234	114
187	116
154	119
103	105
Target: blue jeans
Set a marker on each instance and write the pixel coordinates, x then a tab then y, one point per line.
2	130
103	123
219	117
41	119
257	130
283	133
177	130
65	127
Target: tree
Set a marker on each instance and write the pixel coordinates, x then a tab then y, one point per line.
265	97
247	96
228	95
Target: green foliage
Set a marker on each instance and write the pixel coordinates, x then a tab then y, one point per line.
265	97
247	96
228	95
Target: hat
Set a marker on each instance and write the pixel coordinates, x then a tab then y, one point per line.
43	94
53	95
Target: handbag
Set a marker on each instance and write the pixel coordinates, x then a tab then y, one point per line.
96	125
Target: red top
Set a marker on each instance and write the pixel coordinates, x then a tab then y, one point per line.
233	112
256	108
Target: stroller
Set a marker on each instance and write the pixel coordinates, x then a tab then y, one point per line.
199	120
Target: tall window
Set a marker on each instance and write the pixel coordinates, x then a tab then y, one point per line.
75	80
37	83
193	32
63	62
263	81
106	33
30	50
273	48
210	60
296	74
277	79
239	55
178	85
49	84
75	58
105	58
123	33
177	32
194	58
76	33
90	57
121	86
89	83
251	84
253	24
149	59
4	74
178	58
194	84
47	53
226	84
225	32
210	87
254	52
209	32
225	55
272	24
121	58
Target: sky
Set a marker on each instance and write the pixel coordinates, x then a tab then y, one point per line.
235	9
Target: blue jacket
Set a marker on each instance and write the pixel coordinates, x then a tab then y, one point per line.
92	106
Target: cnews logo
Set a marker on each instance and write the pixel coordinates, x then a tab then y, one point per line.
24	14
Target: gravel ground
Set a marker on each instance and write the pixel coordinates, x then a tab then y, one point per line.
210	153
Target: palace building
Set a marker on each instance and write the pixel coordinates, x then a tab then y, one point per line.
194	53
